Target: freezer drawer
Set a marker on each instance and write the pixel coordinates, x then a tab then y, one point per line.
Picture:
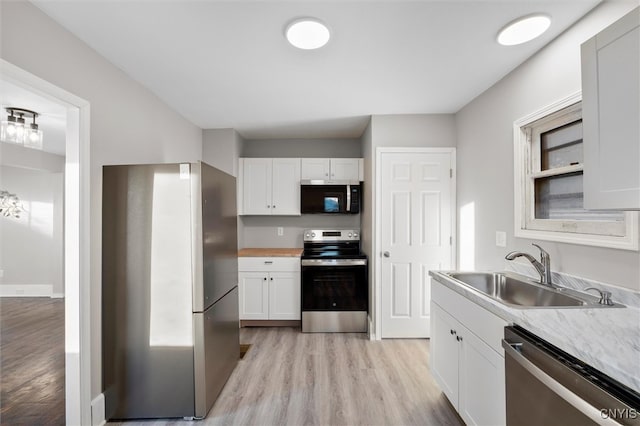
217	349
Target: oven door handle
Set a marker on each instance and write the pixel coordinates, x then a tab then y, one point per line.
337	263
594	414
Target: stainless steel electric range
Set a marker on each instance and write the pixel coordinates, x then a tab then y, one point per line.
335	285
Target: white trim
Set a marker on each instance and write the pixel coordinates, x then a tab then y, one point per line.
377	249
57	295
372	331
98	411
521	155
26	290
77	241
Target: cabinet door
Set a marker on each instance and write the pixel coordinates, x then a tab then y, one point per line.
611	115
345	169
286	186
482	382
256	186
315	168
284	296
444	352
254	295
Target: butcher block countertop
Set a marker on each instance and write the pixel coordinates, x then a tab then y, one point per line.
270	252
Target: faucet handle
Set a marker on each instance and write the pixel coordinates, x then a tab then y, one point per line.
605	296
543	252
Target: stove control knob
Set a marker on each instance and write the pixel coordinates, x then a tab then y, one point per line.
313	234
350	234
306	235
355	235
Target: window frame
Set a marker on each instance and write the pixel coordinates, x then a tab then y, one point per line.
527	168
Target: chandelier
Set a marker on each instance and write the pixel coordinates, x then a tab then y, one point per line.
10	205
15	130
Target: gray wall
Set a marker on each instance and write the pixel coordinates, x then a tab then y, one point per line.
31	246
221	149
129	124
485	156
311	148
261	231
415	130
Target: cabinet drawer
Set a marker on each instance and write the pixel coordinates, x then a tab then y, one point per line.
484	324
268	264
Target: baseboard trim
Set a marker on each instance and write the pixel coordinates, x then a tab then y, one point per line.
57	295
270	323
98	411
372	334
26	290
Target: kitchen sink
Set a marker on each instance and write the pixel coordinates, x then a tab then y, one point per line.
518	291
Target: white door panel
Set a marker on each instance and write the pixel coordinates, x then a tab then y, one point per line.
416	225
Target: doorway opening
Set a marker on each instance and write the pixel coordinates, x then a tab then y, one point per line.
75	233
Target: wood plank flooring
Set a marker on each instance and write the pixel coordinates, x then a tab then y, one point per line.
32	361
291	378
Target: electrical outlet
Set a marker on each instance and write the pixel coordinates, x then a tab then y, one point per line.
280	231
501	239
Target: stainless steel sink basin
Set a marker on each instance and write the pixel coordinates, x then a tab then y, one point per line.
511	289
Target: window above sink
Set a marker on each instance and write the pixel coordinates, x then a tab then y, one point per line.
548	175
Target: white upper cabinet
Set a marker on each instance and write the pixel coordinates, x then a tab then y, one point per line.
331	168
315	168
269	186
611	116
256	185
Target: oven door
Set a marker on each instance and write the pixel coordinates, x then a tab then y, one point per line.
335	285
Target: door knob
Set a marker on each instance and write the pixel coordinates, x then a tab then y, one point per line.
386	254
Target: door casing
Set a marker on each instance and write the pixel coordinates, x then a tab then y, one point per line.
377	240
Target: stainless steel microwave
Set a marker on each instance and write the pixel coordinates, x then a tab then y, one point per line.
329	197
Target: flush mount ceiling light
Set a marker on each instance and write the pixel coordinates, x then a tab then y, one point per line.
307	33
524	29
14	130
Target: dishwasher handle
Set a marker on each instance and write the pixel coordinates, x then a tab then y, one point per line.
594	414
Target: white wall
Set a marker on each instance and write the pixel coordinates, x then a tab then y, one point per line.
485	158
31	245
129	124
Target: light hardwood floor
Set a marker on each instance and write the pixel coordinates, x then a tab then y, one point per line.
292	378
32	361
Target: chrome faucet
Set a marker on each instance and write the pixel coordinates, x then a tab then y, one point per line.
543	266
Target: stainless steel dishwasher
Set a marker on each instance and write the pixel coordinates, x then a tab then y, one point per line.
546	386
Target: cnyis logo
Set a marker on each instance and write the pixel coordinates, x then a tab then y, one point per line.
619	413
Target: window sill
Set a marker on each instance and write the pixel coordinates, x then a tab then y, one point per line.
629	242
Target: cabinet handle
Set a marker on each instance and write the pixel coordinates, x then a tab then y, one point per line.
274	206
268	262
264	279
453	332
459	338
271	278
268	207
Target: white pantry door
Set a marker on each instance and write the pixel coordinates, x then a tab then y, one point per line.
416	236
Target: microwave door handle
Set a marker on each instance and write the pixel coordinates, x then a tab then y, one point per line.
348	198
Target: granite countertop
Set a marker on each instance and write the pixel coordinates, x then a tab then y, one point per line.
605	338
270	252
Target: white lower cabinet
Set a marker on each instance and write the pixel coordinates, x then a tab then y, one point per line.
269	288
466	358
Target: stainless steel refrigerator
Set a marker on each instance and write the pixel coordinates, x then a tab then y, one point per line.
170	337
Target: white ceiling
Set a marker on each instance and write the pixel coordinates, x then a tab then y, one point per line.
226	64
52	119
